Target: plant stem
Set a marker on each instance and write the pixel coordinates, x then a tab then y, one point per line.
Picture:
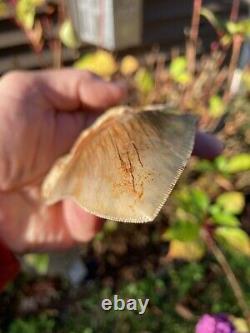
235	10
192	49
57	48
57	54
237	42
238	293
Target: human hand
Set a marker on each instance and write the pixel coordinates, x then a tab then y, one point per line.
42	113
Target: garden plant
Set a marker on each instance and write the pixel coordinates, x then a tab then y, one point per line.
193	261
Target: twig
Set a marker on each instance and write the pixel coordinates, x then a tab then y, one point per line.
238	293
57	54
235	10
57	48
192	47
237	42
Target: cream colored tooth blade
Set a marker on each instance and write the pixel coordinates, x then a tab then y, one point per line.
124	167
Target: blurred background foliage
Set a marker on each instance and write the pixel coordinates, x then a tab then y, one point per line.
195	258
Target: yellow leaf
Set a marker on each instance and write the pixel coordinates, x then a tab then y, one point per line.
3	8
100	62
68	36
235	238
216	106
226	40
144	81
178	70
189	251
129	65
231	202
38	2
240	324
238	163
26	11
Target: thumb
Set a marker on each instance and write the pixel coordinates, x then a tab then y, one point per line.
49	109
79	92
95	96
71	89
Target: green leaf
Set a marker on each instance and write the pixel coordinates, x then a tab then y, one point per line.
231	202
178	70
204	166
235	238
242	27
190	251
67	35
39	323
246	27
194	201
238	163
216	106
40	262
221	217
200	199
26	11
234	27
100	62
182	231
221	164
144	81
178	65
235	164
110	226
226	40
218	24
